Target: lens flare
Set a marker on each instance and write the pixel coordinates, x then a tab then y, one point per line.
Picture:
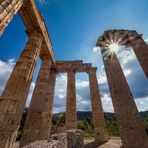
113	47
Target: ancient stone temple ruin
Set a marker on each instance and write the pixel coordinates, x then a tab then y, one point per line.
131	128
38	123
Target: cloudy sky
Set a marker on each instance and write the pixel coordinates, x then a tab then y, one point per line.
74	26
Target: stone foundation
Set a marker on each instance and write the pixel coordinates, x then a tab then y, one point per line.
70	139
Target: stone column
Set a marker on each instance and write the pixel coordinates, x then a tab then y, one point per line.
100	130
131	129
141	50
36	125
50	95
14	96
8	8
71	113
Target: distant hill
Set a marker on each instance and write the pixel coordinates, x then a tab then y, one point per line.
144	114
87	114
85	122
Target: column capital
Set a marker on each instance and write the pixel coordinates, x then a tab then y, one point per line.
92	70
53	70
71	71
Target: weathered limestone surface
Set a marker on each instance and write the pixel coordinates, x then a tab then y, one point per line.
32	18
70	139
39	116
56	141
75	138
77	66
131	129
14	96
97	110
71	114
50	96
141	50
8	8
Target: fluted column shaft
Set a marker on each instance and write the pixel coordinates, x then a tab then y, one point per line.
50	95
100	130
39	116
141	50
131	129
71	114
8	8
14	96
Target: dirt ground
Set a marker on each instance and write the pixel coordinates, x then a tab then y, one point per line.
89	143
112	143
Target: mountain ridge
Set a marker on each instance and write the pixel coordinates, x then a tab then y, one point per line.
87	114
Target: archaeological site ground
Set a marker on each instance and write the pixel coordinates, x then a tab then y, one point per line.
37	128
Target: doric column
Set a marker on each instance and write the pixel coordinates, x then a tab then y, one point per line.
50	95
8	8
14	96
71	113
38	124
131	129
100	130
141	50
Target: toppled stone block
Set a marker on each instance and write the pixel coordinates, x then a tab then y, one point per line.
75	138
71	139
56	141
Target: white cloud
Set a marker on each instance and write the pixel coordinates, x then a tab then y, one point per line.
146	40
81	84
60	93
6	68
102	79
30	94
82	95
127	72
82	87
61	86
107	103
125	55
142	103
96	49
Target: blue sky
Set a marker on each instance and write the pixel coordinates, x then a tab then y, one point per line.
74	26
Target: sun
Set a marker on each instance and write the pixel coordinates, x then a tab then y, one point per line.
110	46
113	47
